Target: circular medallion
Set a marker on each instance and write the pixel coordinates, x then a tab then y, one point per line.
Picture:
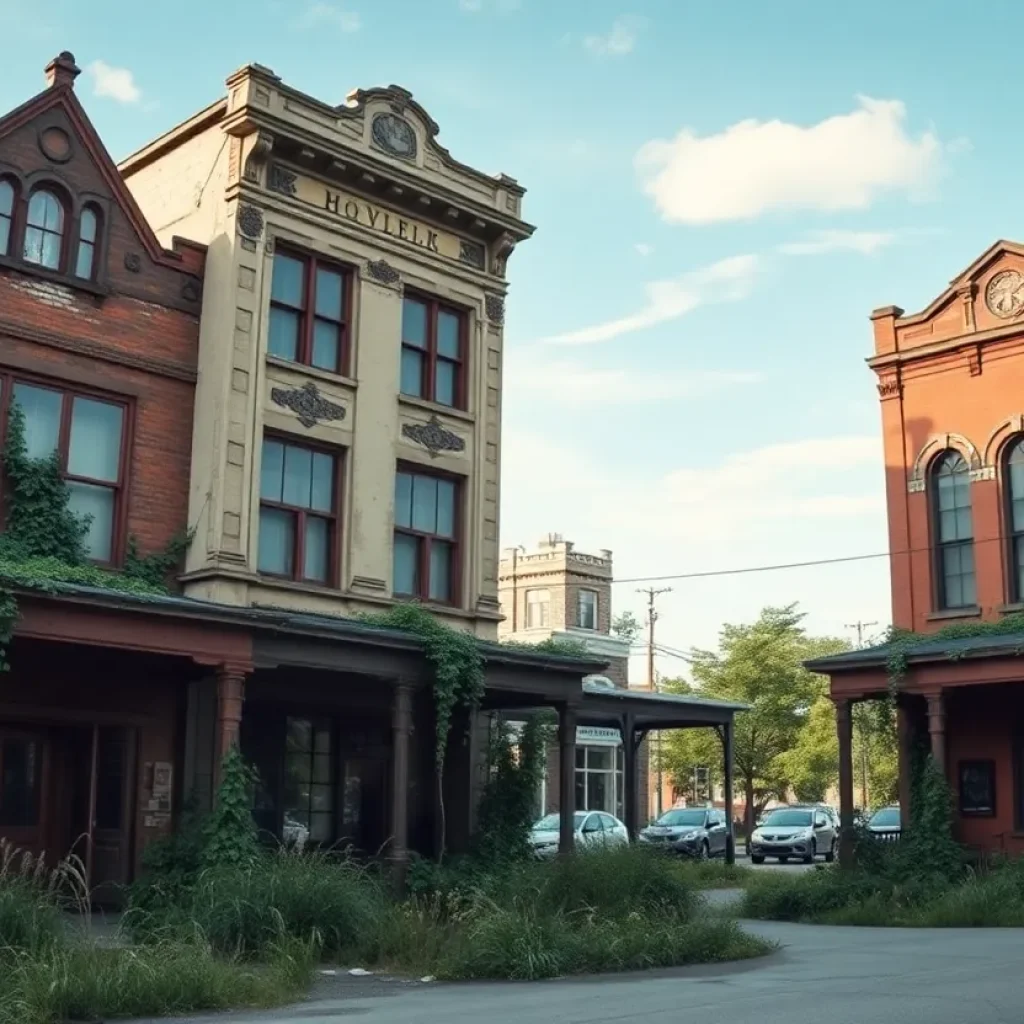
394	134
1004	295
55	144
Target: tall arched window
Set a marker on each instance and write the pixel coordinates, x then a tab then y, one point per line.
44	230
88	232
6	215
954	532
1013	477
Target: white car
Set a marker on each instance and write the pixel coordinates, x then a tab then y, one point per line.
594	829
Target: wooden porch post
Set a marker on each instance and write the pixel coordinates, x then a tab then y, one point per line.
727	757
566	779
905	749
844	727
90	844
937	728
631	793
401	727
230	698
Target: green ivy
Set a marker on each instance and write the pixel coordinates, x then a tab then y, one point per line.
229	833
552	645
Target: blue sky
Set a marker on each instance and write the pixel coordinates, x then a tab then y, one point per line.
722	195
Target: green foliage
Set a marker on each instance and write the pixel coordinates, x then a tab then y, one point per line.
507	805
229	833
153	570
626	627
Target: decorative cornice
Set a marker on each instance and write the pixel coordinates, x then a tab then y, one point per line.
434	436
383	273
262	145
494	305
308	404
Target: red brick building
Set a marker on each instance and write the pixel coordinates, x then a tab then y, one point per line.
949	382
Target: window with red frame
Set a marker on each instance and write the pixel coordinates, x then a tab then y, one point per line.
426	537
88	434
433	347
298	512
309	315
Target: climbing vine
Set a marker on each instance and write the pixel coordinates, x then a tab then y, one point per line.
44	542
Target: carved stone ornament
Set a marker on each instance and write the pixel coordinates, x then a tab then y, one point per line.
502	250
258	156
433	436
472	253
308	404
250	222
191	291
395	135
280	179
382	272
132	262
890	387
495	307
1004	295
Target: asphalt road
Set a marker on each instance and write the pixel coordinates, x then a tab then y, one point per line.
838	975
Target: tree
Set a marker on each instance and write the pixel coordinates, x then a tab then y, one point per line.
626	627
811	765
760	664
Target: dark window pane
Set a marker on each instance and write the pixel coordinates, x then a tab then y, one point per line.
414	323
329	294
445	508
83	261
6	212
403	500
448	334
87	226
963	524
412	373
289	280
298	476
110	778
41	409
424	504
326	345
406	564
321	828
277	542
19	783
440	571
444	382
89	501
283	340
322	738
95	446
44	230
299	735
317	551
322	498
272	471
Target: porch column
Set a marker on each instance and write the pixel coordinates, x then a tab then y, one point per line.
401	727
937	728
230	698
844	727
566	779
630	795
727	757
905	750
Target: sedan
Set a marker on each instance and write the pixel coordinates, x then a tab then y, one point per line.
886	824
801	832
694	831
593	829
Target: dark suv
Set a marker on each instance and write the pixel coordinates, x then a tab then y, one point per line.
699	832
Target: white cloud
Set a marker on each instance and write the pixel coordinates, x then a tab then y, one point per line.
819	242
728	280
113	83
643	248
842	163
618	41
320	14
574	384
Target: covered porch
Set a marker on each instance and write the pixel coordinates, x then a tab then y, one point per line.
959	699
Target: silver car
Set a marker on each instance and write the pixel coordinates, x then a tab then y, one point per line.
794	833
594	829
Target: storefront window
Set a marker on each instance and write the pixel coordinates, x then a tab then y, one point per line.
309	796
599	779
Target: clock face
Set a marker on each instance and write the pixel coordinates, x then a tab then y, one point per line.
1004	295
395	135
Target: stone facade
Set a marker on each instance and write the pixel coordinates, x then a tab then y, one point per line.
364	190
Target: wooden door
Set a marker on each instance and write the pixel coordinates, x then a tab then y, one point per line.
24	757
112	808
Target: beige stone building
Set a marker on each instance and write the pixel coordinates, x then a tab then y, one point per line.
347	433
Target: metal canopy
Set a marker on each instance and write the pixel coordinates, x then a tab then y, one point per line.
603	705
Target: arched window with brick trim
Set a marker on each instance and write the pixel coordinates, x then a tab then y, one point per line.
1013	485
88	239
953	532
7	196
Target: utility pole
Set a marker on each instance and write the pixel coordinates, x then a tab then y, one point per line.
652	618
865	796
860	627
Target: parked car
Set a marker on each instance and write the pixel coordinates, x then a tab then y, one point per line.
700	832
593	829
794	832
886	823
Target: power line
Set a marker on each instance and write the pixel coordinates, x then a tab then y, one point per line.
860	627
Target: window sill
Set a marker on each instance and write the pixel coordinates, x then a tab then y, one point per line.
1013	608
436	407
54	277
954	613
312	371
297	587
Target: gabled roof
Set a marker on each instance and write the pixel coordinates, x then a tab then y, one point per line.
60	94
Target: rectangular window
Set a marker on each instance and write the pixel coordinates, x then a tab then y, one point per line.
309	786
20	770
586	609
309	312
538	607
298	513
977	788
433	352
88	436
599	779
426	537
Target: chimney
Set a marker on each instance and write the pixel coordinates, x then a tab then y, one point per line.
62	71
